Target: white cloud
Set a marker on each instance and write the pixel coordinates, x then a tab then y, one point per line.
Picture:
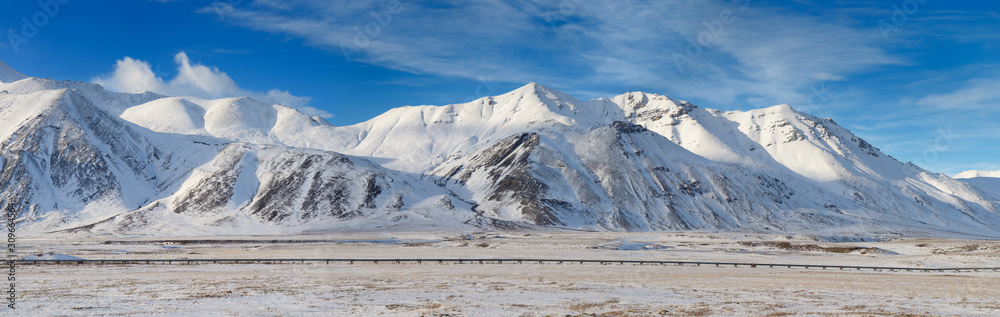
285	98
976	94
765	56
194	80
201	80
132	76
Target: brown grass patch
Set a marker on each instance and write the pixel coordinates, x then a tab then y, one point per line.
700	311
589	306
813	247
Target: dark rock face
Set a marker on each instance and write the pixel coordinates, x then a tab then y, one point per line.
286	186
210	195
301	186
507	167
628	127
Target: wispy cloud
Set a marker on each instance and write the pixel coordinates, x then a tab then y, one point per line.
225	51
977	27
980	94
735	54
763	56
193	79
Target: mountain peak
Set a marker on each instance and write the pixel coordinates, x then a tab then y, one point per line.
781	108
540	99
8	74
542	92
532	86
977	174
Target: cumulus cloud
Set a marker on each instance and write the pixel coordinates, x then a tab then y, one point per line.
133	76
194	80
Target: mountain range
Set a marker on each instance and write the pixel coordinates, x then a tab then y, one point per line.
75	157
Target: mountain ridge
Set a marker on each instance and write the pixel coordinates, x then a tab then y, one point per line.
976	173
533	157
8	74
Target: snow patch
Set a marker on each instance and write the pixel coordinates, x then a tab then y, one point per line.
51	256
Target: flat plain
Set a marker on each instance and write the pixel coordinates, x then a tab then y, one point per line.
528	289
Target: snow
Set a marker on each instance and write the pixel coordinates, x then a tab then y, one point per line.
990	185
236	119
527	289
534	155
974	174
51	256
8	74
168	115
111	102
13	113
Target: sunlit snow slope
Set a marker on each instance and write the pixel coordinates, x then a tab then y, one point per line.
987	181
974	174
9	75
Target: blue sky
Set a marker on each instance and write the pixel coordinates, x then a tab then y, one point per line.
918	78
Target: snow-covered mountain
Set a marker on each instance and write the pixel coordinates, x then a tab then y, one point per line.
975	174
76	157
70	160
9	75
987	181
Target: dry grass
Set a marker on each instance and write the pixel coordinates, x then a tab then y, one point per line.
589	306
614	313
813	247
700	311
90	307
432	305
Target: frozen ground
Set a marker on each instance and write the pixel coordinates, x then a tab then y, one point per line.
512	290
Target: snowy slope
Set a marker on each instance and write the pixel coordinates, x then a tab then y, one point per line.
625	177
69	163
543	170
76	157
974	174
415	139
67	155
111	102
990	185
9	75
242	119
250	188
987	181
